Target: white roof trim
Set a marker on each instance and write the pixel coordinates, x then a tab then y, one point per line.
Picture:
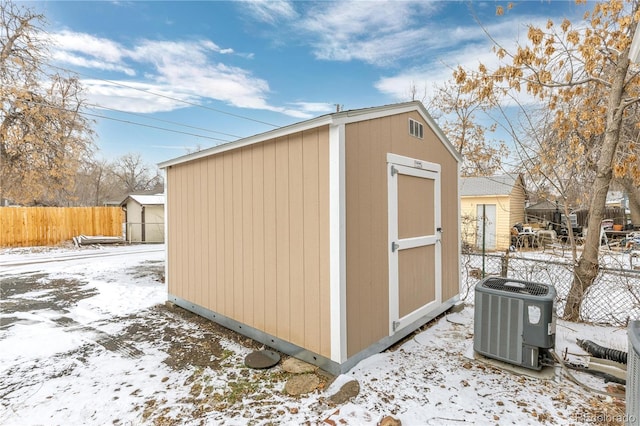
334	119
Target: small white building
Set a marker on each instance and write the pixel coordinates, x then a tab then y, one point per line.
144	218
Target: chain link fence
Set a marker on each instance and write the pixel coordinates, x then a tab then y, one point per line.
613	299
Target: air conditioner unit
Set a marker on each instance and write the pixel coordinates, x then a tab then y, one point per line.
514	320
632	417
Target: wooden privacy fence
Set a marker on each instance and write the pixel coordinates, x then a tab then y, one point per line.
43	226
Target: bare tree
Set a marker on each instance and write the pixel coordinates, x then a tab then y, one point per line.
99	182
43	135
459	121
96	184
413	93
133	175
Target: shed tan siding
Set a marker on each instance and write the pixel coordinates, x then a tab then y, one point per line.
249	236
366	147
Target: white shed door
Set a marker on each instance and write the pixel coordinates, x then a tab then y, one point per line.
414	240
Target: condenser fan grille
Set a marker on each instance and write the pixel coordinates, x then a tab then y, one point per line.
516	286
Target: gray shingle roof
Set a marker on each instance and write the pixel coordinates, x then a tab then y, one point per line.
487	185
545	205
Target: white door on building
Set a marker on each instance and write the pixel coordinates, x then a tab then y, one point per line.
415	285
486	226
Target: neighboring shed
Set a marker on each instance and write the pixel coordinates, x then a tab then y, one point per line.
545	212
144	218
329	240
499	199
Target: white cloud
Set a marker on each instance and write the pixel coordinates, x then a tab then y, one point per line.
376	32
306	110
186	70
154	51
79	61
134	96
470	48
83	44
270	11
314	107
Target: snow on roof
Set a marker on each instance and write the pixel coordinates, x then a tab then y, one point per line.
147	200
487	185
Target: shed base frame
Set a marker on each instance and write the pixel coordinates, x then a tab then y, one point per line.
326	364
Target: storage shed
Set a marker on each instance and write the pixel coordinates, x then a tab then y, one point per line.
329	240
144	218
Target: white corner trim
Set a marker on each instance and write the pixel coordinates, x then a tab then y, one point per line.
459	239
337	244
166	228
392	201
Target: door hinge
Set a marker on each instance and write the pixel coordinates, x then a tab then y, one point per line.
395	325
394	246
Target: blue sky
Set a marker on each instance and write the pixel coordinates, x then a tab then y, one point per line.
214	71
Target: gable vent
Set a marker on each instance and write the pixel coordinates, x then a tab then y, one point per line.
415	128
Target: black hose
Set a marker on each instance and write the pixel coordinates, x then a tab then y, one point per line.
602	352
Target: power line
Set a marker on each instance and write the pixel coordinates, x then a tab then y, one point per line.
167	97
96	106
125	121
152	127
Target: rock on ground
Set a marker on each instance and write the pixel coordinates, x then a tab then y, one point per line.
296	366
349	390
301	384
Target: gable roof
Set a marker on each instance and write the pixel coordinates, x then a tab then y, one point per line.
145	200
545	205
336	118
488	185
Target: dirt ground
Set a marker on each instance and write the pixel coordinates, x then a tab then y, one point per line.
189	344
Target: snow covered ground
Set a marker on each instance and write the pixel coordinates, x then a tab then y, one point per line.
86	338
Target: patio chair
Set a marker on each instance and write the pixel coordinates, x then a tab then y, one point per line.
548	239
